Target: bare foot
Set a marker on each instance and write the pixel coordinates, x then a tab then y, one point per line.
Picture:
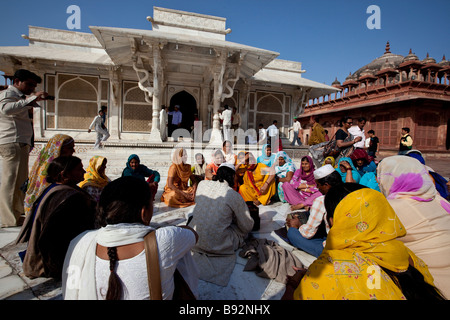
297	207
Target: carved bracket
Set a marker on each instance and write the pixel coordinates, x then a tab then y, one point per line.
143	81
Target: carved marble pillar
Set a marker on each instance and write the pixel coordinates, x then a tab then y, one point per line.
203	110
155	135
243	105
115	98
218	73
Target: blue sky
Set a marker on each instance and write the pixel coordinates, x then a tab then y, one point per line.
330	37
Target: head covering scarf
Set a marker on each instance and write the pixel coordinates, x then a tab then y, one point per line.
308	176
199	169
402	177
333	161
129	171
183	170
356	176
439	181
92	177
37	180
358	154
230	157
410	190
364	235
289	165
263	158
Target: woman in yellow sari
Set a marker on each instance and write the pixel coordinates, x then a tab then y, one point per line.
95	178
177	193
58	145
363	259
258	182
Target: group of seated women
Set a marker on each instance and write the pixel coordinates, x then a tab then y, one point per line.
388	244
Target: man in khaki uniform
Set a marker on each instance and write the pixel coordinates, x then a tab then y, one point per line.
16	133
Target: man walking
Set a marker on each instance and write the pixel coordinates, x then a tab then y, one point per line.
100	128
297	128
16	132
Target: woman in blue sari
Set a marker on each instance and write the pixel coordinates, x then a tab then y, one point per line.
284	170
347	170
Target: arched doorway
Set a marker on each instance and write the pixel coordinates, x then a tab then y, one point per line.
188	107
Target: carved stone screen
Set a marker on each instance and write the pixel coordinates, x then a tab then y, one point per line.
136	113
269	108
427	130
78	99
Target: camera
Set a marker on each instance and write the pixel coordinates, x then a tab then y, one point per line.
49	98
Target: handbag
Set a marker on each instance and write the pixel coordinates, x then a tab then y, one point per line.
331	149
182	290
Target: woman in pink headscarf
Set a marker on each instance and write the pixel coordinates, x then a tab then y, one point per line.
301	191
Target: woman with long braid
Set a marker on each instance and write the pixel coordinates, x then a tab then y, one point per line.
110	263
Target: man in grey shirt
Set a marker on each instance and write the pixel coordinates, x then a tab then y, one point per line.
16	134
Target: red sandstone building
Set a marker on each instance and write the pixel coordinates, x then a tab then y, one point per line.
393	92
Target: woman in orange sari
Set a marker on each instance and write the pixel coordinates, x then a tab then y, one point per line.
177	193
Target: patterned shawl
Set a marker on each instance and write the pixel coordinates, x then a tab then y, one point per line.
289	165
363	236
37	179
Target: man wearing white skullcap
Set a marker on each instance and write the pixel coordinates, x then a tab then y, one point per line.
311	236
228	165
323	171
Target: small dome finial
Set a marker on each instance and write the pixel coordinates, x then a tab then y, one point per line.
388	47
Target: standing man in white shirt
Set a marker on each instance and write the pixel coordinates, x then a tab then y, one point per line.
16	134
226	117
297	128
273	136
163	122
358	131
102	132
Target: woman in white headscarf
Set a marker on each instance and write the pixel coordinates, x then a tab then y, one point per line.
410	190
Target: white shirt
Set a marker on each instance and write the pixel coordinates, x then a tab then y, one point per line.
97	124
173	245
272	130
357	132
226	117
296	126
